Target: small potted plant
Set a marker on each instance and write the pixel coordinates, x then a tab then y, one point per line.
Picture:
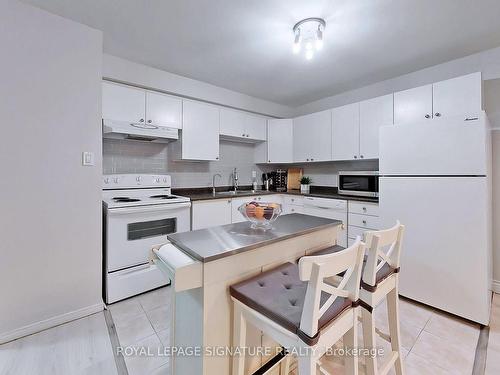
305	183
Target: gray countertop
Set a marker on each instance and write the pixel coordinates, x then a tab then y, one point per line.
218	242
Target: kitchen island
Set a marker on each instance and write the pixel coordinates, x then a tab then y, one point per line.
202	264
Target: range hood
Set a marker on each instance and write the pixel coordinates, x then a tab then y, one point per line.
138	132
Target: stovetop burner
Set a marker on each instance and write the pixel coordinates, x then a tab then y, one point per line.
125	199
162	196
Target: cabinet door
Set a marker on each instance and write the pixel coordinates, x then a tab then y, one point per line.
312	137
320	138
256	127
301	139
232	123
200	131
345	135
413	105
458	97
373	114
123	103
163	110
211	213
280	141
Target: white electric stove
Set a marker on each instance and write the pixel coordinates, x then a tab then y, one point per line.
139	212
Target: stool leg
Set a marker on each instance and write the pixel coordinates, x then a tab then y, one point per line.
351	341
369	341
307	365
394	330
285	365
239	340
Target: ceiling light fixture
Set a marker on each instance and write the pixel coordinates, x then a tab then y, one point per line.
308	32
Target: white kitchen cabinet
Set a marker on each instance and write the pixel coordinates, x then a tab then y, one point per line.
413	105
232	123
312	137
200	131
456	97
242	126
163	110
330	209
345	134
292	204
363	216
256	127
459	96
280	141
210	213
123	103
373	114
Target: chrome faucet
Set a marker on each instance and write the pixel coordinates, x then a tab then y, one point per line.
235	180
213	182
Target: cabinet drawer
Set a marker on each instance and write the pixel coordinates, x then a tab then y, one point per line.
326	203
364	221
293	200
363	208
353	232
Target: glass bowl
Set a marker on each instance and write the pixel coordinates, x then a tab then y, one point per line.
260	214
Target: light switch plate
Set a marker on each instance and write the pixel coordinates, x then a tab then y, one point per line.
87	158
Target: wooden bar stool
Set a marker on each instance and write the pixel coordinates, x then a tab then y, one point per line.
380	281
295	307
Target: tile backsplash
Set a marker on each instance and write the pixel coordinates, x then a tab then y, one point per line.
122	156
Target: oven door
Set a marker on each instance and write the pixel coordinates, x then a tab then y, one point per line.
365	185
132	231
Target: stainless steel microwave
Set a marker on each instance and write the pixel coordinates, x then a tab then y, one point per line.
360	183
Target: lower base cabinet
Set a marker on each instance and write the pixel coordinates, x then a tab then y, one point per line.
210	213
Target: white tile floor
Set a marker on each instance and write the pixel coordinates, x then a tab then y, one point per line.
434	343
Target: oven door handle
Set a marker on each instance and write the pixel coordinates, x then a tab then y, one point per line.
141	209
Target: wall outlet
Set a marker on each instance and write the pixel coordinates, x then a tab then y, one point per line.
87	159
254	174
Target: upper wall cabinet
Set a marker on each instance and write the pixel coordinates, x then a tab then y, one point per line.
345	134
413	105
312	137
456	97
200	131
131	104
280	141
163	110
123	103
242	126
373	114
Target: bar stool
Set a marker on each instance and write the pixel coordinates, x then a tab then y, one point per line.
295	307
380	281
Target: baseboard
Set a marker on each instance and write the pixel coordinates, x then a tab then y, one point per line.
495	286
49	323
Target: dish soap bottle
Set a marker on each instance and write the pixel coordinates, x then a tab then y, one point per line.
254	181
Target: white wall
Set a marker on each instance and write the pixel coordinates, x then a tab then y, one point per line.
50	221
487	62
121	70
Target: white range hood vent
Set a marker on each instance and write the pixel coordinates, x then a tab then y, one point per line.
138	132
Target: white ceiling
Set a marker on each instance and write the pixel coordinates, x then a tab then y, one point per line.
245	45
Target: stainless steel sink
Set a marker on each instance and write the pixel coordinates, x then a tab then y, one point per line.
234	193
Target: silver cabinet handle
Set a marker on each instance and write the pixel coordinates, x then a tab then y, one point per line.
364	222
427	116
355	156
307	159
149	121
471	118
217	158
364	208
229	201
361	156
437	114
312	159
141	120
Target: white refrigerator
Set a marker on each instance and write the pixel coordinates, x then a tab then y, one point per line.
435	179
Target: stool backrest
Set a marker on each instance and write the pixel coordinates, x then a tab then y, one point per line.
376	243
315	269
